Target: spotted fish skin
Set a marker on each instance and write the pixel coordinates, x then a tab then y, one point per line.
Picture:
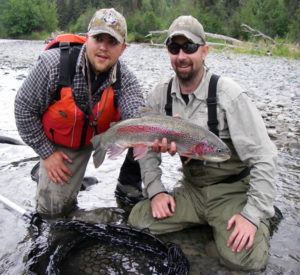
192	141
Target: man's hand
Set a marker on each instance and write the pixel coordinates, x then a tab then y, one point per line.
242	234
163	148
56	168
163	206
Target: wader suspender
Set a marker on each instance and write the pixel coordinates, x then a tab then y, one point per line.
212	123
211	103
168	106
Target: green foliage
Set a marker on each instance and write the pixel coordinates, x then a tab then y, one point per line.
82	22
294	27
212	18
281	49
275	18
22	17
139	24
48	15
63	14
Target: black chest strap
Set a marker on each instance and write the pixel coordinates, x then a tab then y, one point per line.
211	102
68	58
168	106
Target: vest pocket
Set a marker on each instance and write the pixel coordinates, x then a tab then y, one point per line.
60	133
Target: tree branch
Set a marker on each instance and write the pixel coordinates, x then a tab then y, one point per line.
256	33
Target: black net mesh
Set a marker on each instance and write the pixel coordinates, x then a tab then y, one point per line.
77	247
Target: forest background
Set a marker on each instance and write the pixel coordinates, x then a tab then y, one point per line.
36	19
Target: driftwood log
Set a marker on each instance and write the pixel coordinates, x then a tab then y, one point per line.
256	33
232	41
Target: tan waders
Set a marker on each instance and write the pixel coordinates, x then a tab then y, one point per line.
53	198
213	205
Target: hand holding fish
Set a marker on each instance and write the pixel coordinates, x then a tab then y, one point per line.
163	206
163	147
242	234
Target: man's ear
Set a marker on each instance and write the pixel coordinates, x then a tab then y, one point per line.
205	51
123	48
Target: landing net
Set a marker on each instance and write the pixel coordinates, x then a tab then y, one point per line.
77	247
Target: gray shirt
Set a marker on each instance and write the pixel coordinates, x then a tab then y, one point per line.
39	91
240	121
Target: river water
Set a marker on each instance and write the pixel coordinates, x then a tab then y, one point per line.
273	84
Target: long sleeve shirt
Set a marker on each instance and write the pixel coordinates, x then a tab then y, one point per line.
39	91
240	121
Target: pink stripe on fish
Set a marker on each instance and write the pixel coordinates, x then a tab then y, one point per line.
149	129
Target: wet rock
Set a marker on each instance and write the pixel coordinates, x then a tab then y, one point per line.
211	250
272	133
260	105
294	146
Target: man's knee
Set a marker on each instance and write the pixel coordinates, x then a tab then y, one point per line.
247	260
253	261
51	205
140	215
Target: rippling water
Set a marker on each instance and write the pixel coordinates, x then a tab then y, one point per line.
273	85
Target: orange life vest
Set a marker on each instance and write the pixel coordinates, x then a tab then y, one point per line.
65	124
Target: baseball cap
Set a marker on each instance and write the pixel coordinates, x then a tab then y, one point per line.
188	26
108	21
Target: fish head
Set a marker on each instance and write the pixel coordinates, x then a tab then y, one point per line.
206	151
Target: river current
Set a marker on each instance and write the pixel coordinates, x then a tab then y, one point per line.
272	83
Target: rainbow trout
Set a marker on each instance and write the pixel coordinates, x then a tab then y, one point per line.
192	140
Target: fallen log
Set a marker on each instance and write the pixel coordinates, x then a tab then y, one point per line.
208	34
256	33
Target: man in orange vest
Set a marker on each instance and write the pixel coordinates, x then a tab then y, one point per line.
58	121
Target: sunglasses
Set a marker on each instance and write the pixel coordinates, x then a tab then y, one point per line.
187	47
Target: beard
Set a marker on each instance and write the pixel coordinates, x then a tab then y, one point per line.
185	76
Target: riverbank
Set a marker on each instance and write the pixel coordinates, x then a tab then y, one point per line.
258	47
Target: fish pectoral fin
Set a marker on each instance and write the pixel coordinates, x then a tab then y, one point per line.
139	151
187	161
188	156
115	150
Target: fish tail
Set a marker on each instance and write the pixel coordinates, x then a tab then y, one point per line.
99	156
98	142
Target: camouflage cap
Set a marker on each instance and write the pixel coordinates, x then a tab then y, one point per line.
108	21
188	26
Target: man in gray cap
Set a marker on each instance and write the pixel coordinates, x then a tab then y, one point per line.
58	120
236	197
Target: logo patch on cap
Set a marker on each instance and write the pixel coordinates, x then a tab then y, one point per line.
109	18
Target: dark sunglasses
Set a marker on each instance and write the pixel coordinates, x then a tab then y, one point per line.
187	47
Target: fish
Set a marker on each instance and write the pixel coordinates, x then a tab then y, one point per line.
192	141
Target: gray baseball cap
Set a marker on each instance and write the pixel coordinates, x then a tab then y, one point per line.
108	21
188	26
